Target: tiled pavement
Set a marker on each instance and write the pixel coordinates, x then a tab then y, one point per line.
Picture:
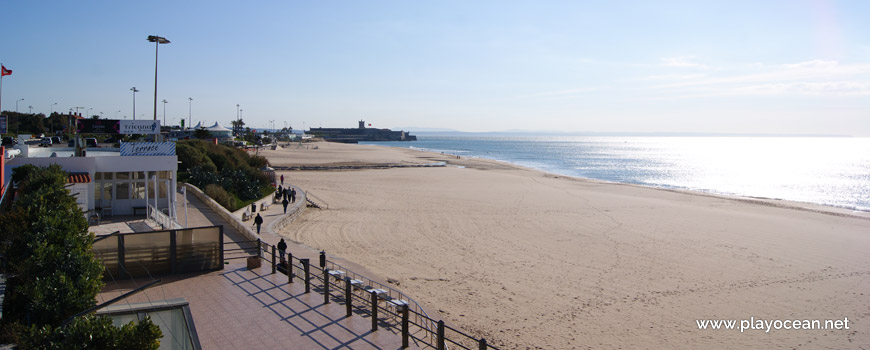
237	308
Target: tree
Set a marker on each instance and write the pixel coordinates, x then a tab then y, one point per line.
53	272
202	133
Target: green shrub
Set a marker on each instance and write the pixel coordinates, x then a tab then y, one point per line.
93	332
221	196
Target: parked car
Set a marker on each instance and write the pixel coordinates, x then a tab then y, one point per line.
9	141
89	142
46	142
56	140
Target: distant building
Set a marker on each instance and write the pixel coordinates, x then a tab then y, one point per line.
348	135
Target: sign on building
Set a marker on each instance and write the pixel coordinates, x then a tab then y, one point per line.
115	126
147	148
140	127
97	126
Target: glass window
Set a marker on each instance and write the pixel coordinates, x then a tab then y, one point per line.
138	175
139	190
107	191
123	190
98	176
162	185
164	175
107	176
97	192
123	176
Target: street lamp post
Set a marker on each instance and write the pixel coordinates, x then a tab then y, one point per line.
16	105
88	112
189	111
52	109
164	111
31	109
134	101
157	40
238	118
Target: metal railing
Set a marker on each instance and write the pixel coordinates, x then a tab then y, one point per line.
164	220
364	295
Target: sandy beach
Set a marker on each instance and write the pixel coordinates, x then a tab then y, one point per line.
534	260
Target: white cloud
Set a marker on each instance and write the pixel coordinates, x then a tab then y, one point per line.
682	62
815	77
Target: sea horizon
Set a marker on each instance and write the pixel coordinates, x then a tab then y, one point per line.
830	171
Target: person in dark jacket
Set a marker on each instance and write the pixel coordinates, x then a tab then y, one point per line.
285	202
282	248
259	222
292	195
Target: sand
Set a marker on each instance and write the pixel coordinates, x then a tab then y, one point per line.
533	260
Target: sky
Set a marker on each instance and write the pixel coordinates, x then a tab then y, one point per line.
782	67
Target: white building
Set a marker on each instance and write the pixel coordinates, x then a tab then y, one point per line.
108	183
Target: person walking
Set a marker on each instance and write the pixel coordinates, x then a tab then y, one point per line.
282	179
285	193
292	195
259	222
282	248
285	202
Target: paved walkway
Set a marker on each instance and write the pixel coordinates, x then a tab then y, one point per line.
237	308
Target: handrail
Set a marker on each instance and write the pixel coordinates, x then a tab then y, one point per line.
102	237
164	220
416	306
319	200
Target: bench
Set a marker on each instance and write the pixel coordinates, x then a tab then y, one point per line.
246	216
135	209
264	206
337	274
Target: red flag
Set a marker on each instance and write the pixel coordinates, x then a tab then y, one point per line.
6	71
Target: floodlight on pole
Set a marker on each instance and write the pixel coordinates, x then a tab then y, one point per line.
190	111
157	40
164	111
134	101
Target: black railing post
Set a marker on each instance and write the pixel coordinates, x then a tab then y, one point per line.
374	310
259	248
482	344
289	267
307	275
405	332
122	264
325	286
322	259
273	259
173	251
348	298
439	341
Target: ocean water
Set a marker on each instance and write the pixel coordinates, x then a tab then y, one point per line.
827	171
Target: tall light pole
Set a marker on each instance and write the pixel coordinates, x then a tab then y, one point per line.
31	109
87	114
116	113
16	105
164	111
52	109
190	112
134	101
238	118
157	40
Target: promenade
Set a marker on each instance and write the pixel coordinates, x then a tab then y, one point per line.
237	308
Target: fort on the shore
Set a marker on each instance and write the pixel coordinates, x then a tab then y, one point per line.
351	135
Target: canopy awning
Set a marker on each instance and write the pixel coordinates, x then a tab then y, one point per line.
79	178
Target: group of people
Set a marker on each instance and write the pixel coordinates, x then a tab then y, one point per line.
288	194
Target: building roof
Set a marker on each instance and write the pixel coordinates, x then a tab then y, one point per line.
217	127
